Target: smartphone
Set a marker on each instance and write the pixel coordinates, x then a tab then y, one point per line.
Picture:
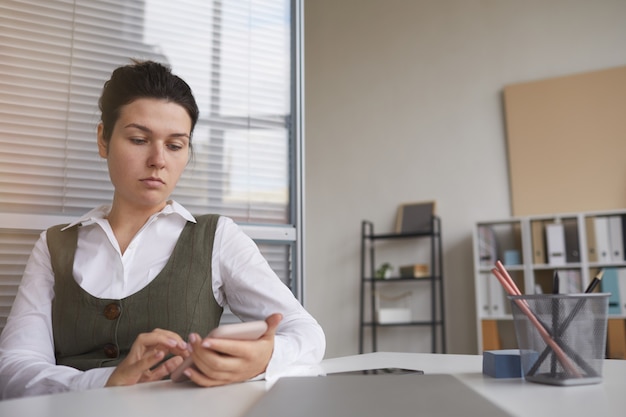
381	371
249	330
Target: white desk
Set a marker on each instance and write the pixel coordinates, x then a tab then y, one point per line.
516	396
165	398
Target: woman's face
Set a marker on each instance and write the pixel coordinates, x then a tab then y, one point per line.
147	152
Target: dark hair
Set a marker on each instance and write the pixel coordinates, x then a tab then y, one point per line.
143	79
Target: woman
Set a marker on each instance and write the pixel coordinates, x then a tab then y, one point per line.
108	299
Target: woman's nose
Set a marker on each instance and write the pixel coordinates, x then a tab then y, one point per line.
156	158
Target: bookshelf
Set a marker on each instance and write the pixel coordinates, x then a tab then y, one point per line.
576	245
423	316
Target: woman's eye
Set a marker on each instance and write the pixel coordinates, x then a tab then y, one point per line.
137	141
174	147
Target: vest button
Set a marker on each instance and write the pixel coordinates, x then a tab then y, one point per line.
112	311
110	350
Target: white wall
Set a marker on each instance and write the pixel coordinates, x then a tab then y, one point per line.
403	103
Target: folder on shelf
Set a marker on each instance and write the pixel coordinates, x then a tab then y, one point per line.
616	239
610	283
571	281
496	299
624	233
572	244
621	279
555	242
601	226
538	242
487	250
592	252
616	339
482	292
491	336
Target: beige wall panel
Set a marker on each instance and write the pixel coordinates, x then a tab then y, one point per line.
567	143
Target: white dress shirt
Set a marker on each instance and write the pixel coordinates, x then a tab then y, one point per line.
242	280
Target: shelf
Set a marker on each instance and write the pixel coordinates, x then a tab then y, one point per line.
487	269
409	323
540	267
606	265
577	245
506	317
377	291
402	279
503	317
401	235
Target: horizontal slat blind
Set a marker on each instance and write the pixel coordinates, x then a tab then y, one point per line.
56	56
15	247
54	59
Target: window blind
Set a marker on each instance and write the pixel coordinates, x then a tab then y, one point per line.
237	57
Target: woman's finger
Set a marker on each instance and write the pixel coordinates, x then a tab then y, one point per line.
161	371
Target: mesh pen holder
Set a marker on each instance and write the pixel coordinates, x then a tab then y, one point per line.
561	337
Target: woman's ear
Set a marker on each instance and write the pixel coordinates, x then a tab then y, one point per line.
103	149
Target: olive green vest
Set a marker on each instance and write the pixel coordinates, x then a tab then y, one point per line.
91	332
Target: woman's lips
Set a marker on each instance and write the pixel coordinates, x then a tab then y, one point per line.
153	182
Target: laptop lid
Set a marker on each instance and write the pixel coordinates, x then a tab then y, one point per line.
373	396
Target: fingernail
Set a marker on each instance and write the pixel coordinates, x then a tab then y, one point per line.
193	338
206	344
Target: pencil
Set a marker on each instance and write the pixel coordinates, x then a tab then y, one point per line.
594	282
505	274
555	319
555	282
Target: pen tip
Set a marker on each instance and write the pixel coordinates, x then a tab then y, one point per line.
599	276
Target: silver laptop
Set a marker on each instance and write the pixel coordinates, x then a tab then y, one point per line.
373	396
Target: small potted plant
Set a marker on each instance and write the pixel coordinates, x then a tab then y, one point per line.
384	271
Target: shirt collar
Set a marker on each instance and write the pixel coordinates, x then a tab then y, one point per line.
99	213
173	207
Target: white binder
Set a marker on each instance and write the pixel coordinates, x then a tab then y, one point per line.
603	248
555	242
616	238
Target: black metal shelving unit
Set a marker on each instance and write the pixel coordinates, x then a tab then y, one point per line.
436	321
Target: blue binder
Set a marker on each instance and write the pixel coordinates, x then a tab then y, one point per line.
610	283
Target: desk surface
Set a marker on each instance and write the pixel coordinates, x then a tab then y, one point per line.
165	398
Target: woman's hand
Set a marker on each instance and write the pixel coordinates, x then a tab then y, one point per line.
224	361
147	351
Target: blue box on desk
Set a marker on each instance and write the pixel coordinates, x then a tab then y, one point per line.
502	363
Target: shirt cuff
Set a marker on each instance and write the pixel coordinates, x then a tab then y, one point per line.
283	364
93	378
